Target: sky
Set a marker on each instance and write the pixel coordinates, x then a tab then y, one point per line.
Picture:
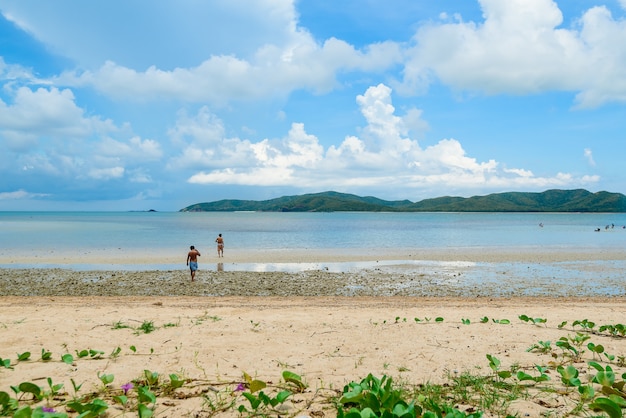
138	105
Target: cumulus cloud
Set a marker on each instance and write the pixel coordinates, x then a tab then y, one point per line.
44	131
274	71
521	48
45	113
383	156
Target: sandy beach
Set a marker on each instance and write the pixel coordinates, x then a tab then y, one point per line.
328	328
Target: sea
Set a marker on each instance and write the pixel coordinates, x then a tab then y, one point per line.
42	232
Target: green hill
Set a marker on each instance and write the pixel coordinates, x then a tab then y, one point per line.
549	201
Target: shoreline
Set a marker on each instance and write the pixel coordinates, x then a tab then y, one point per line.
500	272
140	256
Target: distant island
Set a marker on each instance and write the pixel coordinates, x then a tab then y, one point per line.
578	200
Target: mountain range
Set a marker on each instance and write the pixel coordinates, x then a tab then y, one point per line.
578	200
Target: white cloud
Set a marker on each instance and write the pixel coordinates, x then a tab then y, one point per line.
521	48
44	131
135	149
274	71
12	72
383	158
106	173
45	113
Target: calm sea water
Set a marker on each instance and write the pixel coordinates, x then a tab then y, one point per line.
342	230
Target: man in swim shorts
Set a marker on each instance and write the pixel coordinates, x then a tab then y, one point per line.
192	261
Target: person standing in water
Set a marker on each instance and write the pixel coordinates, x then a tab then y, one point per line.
220	245
192	261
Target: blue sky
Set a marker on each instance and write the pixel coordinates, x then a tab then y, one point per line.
135	105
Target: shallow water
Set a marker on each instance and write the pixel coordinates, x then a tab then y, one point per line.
47	231
585	278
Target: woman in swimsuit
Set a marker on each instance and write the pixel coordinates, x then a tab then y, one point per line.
220	245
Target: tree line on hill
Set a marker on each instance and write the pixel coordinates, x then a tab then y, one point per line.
578	200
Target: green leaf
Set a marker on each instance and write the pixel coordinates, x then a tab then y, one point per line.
596	366
32	388
504	374
351	397
608	406
282	396
144	411
98	406
77	406
521	376
106	378
618	399
598	349
45	355
494	363
569	375
586	391
24	412
368	413
176	381
254	401
294	379
67	358
401	409
23	356
121	399
4	399
75	386
95	354
145	395
605	378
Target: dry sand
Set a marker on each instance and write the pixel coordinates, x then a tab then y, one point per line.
264	323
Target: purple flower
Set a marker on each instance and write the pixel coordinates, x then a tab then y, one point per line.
47	409
126	387
240	387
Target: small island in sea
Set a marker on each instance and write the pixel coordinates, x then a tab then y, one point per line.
578	200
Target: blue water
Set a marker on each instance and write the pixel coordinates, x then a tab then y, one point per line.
341	230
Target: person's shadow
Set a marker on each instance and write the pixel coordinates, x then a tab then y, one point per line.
220	266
